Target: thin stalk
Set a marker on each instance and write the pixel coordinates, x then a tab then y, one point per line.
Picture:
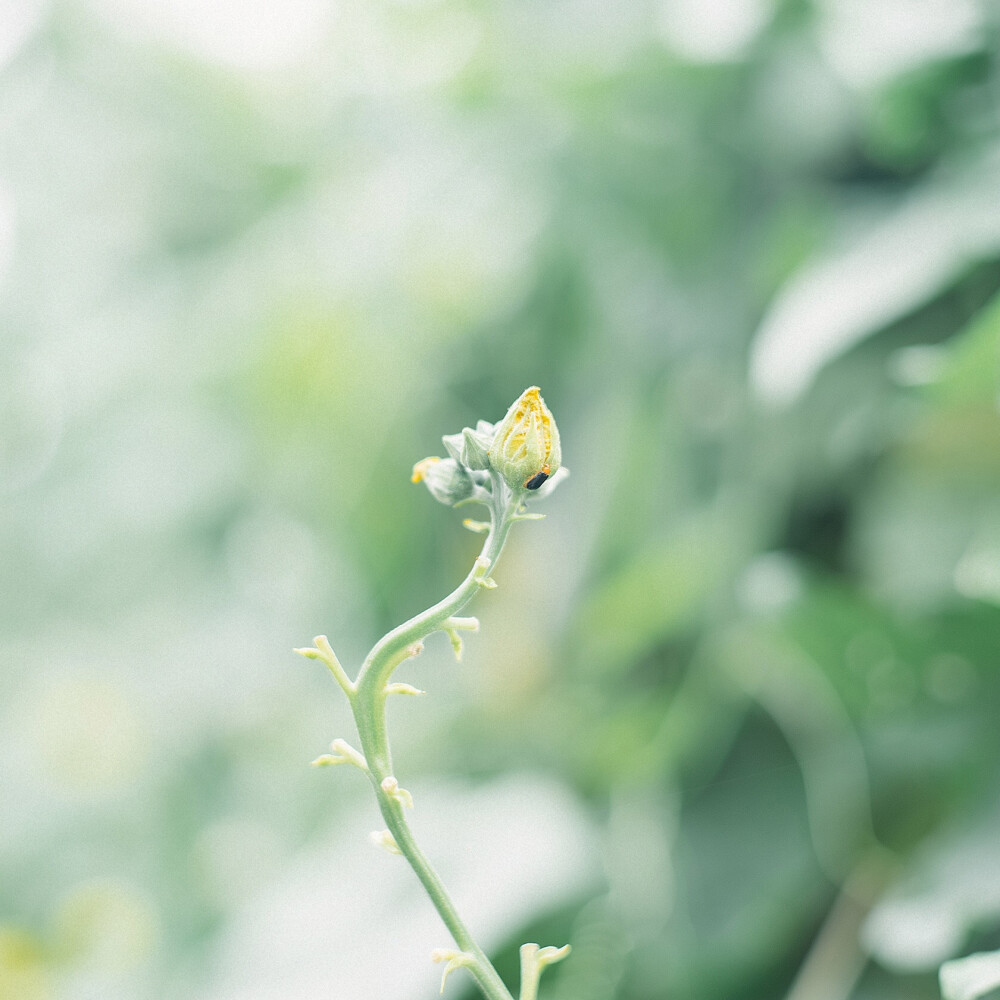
482	969
530	974
368	704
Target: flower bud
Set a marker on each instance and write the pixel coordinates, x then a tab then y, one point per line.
471	447
448	482
391	788
525	448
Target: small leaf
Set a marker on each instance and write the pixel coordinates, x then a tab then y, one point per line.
481	568
385	840
456	643
452	626
550	955
470	624
454	959
896	266
398	688
343	753
391	788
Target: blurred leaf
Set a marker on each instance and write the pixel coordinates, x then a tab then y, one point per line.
661	591
971	977
879	275
23	975
972	371
951	888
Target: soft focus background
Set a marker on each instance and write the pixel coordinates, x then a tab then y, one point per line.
731	724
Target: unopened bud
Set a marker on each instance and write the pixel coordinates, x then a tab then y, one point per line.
391	788
448	482
471	447
526	449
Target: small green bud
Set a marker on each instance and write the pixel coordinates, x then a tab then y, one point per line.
391	788
448	481
479	570
471	447
525	448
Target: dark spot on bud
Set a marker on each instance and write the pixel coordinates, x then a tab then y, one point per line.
535	481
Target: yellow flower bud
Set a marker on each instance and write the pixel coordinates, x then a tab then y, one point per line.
525	448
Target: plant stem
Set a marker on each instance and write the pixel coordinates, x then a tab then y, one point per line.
836	959
368	704
530	974
486	975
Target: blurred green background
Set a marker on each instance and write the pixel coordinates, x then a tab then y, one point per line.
730	727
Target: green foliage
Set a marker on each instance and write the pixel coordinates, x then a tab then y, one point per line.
249	266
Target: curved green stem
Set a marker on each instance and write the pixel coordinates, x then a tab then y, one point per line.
390	650
368	701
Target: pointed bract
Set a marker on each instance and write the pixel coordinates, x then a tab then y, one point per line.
453	960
